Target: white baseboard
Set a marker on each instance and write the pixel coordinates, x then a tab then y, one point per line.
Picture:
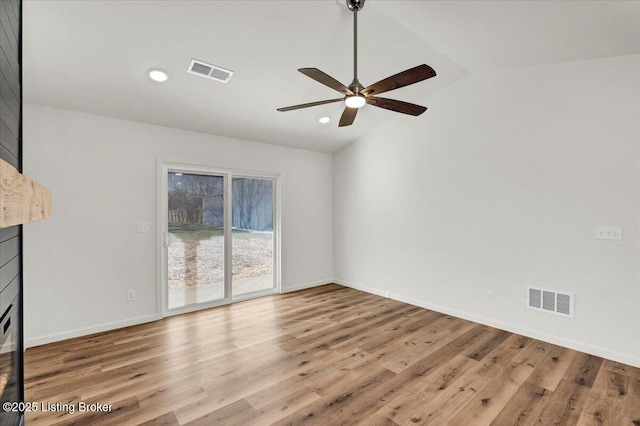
79	332
364	288
534	334
307	285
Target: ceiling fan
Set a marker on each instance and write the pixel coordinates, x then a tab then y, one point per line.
357	95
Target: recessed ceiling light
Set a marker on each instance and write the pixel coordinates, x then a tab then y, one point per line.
158	75
324	120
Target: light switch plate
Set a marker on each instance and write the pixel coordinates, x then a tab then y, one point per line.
143	226
608	233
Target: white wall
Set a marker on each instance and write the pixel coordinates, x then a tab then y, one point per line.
500	185
79	264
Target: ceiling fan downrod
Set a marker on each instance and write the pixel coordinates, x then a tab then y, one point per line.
355	6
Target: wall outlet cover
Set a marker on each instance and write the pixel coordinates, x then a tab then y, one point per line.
490	295
609	233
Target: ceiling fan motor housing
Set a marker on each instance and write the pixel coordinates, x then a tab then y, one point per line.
356	86
355	5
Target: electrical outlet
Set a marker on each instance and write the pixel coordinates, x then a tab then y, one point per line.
131	295
143	227
490	296
608	233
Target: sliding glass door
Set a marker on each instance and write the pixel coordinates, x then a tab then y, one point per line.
219	237
195	239
252	235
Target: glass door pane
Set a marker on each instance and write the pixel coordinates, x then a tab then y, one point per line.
252	235
195	239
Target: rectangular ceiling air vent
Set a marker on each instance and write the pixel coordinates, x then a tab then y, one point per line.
553	301
209	71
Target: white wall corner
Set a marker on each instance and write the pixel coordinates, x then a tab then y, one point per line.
304	286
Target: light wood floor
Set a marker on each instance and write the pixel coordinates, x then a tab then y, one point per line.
327	356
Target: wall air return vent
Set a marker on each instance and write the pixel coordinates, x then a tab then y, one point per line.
209	71
553	301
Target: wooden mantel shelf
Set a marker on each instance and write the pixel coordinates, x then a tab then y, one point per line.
22	200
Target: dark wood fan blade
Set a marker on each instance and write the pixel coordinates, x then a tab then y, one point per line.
397	106
405	78
326	79
310	104
348	115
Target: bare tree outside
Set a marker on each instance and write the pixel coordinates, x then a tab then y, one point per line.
252	204
186	191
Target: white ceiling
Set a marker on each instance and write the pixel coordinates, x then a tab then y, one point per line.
93	56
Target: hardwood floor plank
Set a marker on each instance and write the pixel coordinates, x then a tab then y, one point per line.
391	331
349	329
90	385
525	406
479	350
277	410
407	380
440	409
404	353
326	356
239	383
49	381
569	399
334	405
331	369
432	320
533	354
606	399
168	419
428	394
235	413
485	406
333	382
178	353
631	409
552	367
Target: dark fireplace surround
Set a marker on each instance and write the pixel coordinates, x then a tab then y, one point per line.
11	338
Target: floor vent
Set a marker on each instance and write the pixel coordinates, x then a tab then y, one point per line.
209	71
553	301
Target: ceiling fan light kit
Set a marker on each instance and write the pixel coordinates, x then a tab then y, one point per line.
355	101
356	95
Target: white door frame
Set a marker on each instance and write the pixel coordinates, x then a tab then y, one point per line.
164	167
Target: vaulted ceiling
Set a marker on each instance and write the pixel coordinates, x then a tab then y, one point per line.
94	55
